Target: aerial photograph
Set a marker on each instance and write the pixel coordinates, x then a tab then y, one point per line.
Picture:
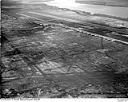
64	49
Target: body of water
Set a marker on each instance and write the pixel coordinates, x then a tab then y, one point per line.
93	9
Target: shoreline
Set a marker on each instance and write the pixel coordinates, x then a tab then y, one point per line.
89	13
81	12
102	3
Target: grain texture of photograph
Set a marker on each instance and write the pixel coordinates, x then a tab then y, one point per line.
64	49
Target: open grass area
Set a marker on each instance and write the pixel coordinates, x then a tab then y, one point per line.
48	60
49	52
